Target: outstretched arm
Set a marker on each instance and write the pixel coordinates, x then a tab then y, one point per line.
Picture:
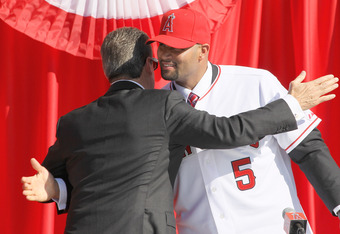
41	187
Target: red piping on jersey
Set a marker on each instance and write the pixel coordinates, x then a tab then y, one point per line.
218	76
301	134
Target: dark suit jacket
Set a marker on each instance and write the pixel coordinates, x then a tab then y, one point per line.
114	152
314	159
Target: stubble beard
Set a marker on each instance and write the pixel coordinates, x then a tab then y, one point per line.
171	76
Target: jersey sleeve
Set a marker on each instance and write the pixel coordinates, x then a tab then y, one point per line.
271	90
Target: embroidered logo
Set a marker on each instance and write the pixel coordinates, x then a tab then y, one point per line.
168	23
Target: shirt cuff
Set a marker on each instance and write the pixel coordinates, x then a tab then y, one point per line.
61	202
294	106
336	210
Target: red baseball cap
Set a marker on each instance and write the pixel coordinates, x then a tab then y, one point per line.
183	28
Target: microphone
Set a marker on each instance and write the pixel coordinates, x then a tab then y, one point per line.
294	222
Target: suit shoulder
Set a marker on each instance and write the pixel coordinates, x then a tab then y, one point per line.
76	111
169	98
168	94
74	114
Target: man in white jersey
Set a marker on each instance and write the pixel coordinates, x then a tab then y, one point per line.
242	190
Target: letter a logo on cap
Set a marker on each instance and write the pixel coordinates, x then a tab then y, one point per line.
168	23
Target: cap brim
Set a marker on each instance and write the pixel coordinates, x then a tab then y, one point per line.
171	41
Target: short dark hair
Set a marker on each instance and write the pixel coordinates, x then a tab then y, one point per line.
124	53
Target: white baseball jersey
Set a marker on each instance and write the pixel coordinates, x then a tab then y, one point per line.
242	190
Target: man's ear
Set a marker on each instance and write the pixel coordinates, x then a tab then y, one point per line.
204	51
148	65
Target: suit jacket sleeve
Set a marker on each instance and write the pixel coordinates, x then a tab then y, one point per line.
55	164
199	129
314	159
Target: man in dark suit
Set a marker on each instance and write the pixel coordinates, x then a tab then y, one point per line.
114	152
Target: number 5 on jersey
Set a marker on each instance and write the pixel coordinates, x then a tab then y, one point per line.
241	184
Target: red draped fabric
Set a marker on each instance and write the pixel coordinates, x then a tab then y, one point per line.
41	81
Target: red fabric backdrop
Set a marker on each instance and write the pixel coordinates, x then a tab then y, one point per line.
40	83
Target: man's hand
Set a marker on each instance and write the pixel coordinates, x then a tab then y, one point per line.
312	93
42	186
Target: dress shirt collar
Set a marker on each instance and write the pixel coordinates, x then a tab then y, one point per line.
127	81
123	85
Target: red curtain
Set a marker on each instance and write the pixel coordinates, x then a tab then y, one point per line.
40	83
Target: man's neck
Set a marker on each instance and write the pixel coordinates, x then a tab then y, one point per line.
191	82
194	79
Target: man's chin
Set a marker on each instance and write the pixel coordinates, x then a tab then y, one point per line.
167	76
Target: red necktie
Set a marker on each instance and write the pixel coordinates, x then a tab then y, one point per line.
192	99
